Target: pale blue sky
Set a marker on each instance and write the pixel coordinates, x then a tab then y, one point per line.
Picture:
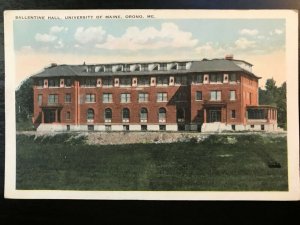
256	36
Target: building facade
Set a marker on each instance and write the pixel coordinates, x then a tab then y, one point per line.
207	96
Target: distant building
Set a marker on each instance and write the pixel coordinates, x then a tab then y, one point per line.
208	95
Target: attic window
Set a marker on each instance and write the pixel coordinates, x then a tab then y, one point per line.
144	67
182	66
137	68
174	66
108	68
99	69
163	66
155	67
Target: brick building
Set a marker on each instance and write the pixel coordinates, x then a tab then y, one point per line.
206	95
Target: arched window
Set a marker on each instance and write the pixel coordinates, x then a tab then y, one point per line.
143	115
90	115
162	115
108	115
125	115
180	115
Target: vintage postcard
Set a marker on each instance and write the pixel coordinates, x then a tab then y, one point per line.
152	104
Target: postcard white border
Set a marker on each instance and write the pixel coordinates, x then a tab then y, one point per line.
292	109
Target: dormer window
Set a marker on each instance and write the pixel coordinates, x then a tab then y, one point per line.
108	68
155	67
91	69
144	67
127	68
53	83
118	68
99	69
182	66
232	77
40	83
174	66
163	66
216	78
137	68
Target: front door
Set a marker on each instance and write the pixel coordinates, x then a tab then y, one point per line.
49	116
214	115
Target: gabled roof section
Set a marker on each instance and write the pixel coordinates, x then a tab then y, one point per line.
204	66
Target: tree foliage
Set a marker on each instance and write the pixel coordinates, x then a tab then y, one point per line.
275	96
24	100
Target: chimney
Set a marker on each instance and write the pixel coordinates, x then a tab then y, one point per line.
53	65
229	57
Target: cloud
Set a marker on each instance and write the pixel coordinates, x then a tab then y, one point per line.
134	38
210	50
249	32
89	35
45	37
244	43
278	31
57	29
60	44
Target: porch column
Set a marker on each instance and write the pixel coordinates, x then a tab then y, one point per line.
204	115
43	117
269	115
56	115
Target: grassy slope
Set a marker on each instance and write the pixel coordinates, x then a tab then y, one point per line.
212	165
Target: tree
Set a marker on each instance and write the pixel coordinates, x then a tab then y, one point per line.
275	96
24	100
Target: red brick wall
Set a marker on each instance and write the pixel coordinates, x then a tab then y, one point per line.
244	85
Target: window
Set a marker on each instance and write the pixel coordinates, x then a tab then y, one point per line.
108	68
144	67
68	127
53	83
198	95
143	97
232	77
67	98
256	114
107	98
233	127
162	115
90	127
40	99
125	127
88	82
107	127
125	98
162	97
232	95
127	68
108	115
216	78
89	98
107	82
233	114
52	99
180	80
215	95
252	125
163	66
162	80
143	115
262	127
68	82
180	115
199	79
143	81
174	66
125	81
143	127
68	115
90	115
162	127
182	66
125	115
40	83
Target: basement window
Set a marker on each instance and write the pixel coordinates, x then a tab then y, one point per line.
90	127
143	127
162	127
232	127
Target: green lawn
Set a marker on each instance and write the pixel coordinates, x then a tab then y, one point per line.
213	165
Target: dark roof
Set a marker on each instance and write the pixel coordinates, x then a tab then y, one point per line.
215	65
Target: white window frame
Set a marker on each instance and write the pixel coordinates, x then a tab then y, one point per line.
89	98
161	97
107	98
145	97
125	97
215	95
